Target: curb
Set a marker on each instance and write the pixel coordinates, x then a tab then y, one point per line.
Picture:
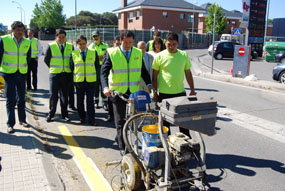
52	183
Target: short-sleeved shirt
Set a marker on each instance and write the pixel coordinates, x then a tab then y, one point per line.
171	69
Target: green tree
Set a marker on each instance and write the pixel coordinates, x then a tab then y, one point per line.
109	18
48	15
221	20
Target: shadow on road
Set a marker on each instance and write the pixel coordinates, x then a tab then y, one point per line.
239	164
202	89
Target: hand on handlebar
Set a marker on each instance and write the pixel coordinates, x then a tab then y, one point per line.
155	97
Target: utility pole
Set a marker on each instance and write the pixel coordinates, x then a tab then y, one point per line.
266	22
214	27
75	22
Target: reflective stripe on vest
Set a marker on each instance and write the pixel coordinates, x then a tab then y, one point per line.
150	45
14	58
58	62
100	49
34	47
83	70
125	75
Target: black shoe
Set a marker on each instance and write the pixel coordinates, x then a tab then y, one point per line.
66	119
49	119
24	124
92	123
10	130
72	108
109	118
105	107
29	89
82	121
97	106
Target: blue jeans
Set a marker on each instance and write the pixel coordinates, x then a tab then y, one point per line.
15	85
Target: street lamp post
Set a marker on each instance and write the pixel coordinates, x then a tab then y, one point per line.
24	14
75	22
20	8
213	43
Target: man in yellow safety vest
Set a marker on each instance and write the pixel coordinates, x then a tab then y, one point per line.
15	53
57	59
36	50
127	68
100	47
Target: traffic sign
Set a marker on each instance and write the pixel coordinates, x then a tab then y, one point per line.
1	27
75	22
241	51
237	32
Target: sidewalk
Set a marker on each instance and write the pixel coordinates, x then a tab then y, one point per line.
22	167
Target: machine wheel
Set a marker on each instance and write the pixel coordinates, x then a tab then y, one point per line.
282	77
131	172
219	56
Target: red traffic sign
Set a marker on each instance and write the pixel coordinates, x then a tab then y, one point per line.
241	51
75	22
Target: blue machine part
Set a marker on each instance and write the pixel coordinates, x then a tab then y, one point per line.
141	99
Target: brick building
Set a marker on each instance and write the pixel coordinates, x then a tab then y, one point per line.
174	15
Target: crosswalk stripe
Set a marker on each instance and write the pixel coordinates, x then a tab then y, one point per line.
267	128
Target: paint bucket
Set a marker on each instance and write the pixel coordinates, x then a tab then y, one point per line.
150	136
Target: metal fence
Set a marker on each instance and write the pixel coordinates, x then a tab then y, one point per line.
187	40
109	34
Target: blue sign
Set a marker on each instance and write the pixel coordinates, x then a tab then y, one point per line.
1	27
255	40
237	32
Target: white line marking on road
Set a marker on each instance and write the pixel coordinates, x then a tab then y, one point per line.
240	85
99	173
269	129
83	173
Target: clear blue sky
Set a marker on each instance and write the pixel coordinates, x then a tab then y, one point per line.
9	11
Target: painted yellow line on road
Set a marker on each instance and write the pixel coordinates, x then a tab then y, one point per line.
93	176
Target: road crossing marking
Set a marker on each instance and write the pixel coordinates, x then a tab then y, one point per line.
264	127
91	173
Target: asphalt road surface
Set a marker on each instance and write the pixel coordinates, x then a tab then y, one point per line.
247	153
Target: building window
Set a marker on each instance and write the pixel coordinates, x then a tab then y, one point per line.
138	14
233	22
119	16
182	16
228	22
199	20
131	15
190	18
164	14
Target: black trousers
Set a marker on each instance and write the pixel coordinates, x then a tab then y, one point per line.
32	69
119	108
82	89
163	96
59	87
98	88
70	90
110	108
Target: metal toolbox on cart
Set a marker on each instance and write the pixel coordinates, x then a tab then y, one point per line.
190	113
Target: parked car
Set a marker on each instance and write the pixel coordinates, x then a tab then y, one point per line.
279	73
280	57
225	49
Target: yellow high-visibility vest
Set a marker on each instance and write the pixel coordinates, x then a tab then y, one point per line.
58	62
84	70
100	49
34	46
125	75
14	58
150	44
